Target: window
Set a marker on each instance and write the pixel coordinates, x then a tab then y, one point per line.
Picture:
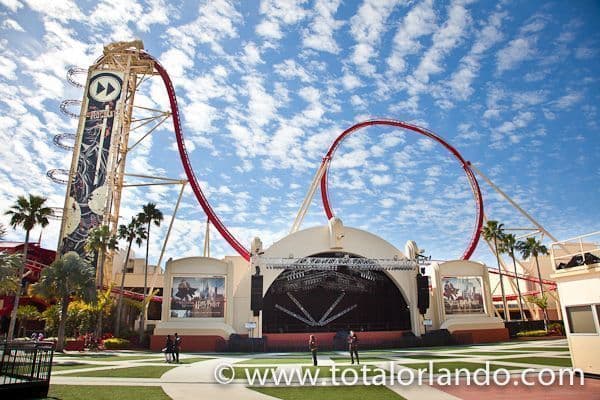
581	319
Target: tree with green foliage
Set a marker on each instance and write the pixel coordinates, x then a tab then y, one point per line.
532	247
494	232
68	277
150	214
100	241
27	213
132	232
508	245
27	313
542	302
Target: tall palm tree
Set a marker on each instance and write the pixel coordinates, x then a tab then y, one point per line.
69	276
508	244
493	232
100	241
134	231
26	213
150	214
532	247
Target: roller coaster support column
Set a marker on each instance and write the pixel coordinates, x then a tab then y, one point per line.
309	196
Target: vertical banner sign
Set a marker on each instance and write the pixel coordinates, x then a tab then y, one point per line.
88	190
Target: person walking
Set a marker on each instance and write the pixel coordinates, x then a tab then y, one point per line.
312	345
168	349
176	348
353	346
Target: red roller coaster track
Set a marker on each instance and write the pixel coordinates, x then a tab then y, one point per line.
399	124
228	236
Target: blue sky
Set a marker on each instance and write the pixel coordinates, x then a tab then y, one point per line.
264	88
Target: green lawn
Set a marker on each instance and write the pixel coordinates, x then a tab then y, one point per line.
74	392
428	356
112	357
530	349
240	372
340	359
330	392
554	361
273	361
64	367
489	353
150	371
181	360
325	372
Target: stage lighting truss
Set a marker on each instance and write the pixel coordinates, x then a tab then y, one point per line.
332	263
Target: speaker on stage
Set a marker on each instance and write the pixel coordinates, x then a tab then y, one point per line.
256	297
422	293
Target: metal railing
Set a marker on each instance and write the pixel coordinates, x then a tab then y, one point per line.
25	369
577	251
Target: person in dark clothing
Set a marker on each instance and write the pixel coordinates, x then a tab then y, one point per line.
312	345
353	346
168	349
176	348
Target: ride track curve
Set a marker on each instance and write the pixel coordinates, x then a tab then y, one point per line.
228	236
405	125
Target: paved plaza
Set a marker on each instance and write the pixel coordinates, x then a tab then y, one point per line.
195	377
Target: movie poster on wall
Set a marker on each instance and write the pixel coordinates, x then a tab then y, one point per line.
463	295
198	297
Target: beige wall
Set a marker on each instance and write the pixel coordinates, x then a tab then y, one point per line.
198	267
581	286
437	314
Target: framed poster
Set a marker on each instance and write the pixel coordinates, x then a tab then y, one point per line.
463	295
198	297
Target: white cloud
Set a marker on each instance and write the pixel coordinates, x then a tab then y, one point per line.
63	10
12	5
444	40
289	69
278	13
366	27
387	203
252	54
461	81
517	51
11	24
567	101
216	21
418	22
350	81
319	35
381	180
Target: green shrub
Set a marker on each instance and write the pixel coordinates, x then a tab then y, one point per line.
116	344
537	333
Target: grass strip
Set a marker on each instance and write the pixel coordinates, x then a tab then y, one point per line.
330	392
150	371
79	392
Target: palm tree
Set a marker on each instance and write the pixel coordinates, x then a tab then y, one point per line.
100	241
134	231
493	231
69	276
26	213
150	214
533	247
508	244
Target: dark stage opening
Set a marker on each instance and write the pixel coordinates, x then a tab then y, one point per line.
334	300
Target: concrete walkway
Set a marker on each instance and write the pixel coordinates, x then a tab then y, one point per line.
197	380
